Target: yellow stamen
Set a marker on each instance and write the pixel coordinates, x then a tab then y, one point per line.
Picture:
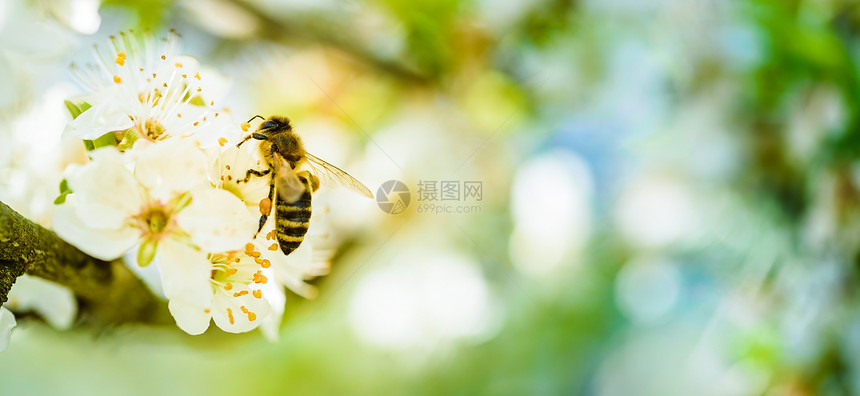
228	286
266	263
245	127
222	141
116	79
273	247
240	293
257	293
230	315
249	246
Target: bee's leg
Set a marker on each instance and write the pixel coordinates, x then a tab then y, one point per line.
265	213
253	172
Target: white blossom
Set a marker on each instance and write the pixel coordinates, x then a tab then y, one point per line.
236	302
165	206
53	302
145	88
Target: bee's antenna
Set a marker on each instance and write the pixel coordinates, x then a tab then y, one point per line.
245	139
255	117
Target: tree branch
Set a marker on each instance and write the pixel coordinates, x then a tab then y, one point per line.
108	290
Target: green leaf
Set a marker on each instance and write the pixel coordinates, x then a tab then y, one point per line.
108	139
64	190
146	252
74	110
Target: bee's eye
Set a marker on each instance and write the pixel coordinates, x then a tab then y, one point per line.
269	125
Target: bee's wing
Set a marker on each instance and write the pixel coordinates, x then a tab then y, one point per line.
288	185
332	175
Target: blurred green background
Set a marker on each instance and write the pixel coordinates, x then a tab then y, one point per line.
670	200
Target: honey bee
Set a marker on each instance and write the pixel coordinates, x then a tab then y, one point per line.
294	174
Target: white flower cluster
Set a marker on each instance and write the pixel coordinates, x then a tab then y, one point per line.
163	186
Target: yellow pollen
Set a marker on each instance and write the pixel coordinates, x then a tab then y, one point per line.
230	315
257	293
249	246
227	166
197	75
252	316
179	115
222	141
240	293
199	89
273	247
244	310
196	122
164	85
120	55
177	64
120	61
216	114
245	127
141	69
259	277
232	271
271	235
116	79
266	263
254	254
184	75
212	103
238	260
258	261
153	75
228	286
163	57
206	311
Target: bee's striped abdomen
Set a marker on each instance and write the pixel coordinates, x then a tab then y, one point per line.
291	222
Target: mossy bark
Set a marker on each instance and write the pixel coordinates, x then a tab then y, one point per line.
108	291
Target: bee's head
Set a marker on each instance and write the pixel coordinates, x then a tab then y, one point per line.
270	127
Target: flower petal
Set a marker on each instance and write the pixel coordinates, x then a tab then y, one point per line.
101	243
170	168
191	318
292	271
53	302
99	120
107	194
238	314
271	326
231	166
217	221
185	272
7	322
